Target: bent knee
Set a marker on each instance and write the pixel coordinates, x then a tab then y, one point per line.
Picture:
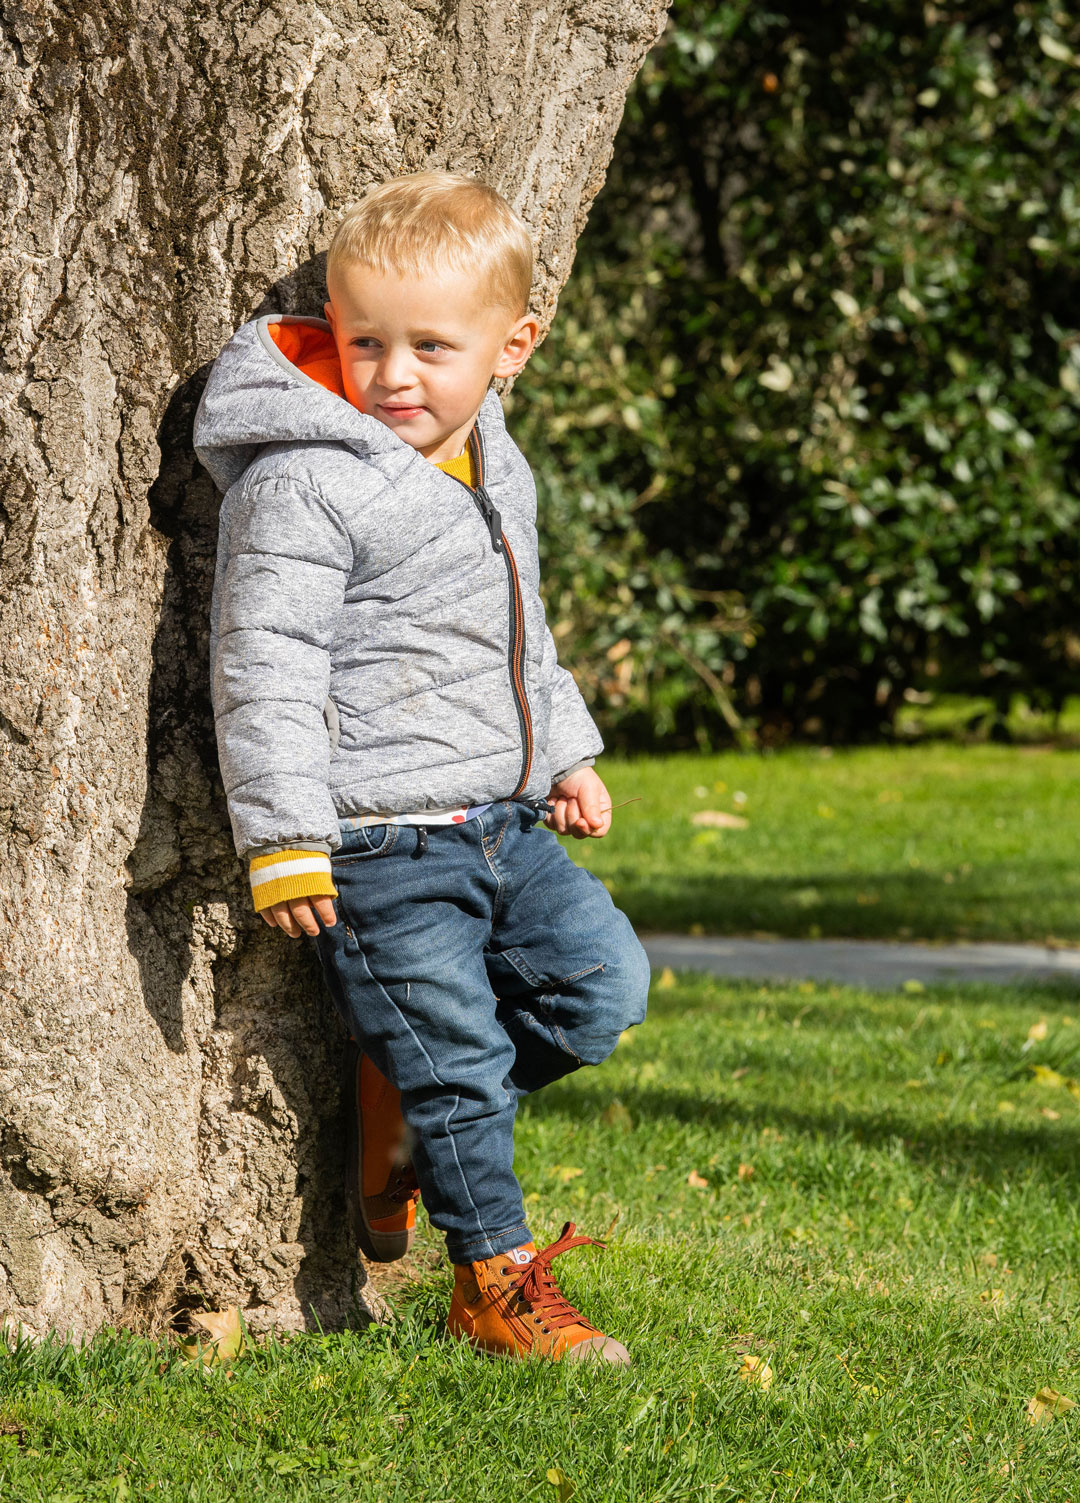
618	997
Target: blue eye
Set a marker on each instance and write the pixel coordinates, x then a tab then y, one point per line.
429	346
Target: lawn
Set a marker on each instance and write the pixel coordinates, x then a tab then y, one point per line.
875	1193
928	842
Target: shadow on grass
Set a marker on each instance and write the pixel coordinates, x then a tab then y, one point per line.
1040	900
991	1153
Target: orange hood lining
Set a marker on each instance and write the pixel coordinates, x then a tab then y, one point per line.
312	350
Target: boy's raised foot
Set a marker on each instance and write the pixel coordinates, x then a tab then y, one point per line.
510	1305
380	1183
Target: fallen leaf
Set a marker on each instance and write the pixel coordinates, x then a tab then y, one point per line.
617	1115
564	1488
719	819
1044	1076
1038	1031
1006	1106
218	1336
666	980
740	1072
641	1406
991	1296
756	1371
1050	1114
697	1181
1046	1403
564	1173
988	1259
746	1171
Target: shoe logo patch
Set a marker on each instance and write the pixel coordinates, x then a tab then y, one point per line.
520	1255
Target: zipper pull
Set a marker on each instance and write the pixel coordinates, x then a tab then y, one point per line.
491	517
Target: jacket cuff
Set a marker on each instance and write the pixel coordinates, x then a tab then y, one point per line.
274	847
290	874
574	767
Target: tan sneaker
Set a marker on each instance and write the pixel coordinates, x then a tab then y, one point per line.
380	1183
510	1305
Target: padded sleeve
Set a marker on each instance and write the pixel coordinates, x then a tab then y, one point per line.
572	733
284	559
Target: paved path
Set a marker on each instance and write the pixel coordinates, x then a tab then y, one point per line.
860	962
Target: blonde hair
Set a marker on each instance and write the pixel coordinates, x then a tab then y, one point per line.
442	220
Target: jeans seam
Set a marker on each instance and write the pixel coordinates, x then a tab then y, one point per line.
435	1076
496	902
369	855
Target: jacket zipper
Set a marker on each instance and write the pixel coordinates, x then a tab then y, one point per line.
516	643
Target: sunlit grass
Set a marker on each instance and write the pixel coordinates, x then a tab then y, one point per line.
928	842
888	1215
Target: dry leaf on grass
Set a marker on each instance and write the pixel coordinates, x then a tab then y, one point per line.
719	819
564	1488
218	1336
756	1371
1047	1402
697	1181
666	980
746	1171
617	1115
1038	1031
1044	1076
564	1173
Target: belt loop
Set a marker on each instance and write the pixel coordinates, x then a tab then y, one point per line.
421	840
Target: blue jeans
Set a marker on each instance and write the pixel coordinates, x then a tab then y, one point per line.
471	972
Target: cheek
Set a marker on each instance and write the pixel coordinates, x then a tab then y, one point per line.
356	377
454	387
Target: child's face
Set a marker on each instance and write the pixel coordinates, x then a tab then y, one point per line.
419	352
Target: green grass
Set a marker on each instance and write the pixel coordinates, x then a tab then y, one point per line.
901	1248
933	842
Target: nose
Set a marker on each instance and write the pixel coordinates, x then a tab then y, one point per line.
395	370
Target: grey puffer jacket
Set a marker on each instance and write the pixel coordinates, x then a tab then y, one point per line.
377	640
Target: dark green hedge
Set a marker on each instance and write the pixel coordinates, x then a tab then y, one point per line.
806	427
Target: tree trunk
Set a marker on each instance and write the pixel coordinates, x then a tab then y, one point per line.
169	1081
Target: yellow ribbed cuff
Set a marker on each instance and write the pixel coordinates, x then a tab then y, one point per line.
290	874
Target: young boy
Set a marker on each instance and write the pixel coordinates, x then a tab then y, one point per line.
392	722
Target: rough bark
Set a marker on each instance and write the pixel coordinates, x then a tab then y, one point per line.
169	1098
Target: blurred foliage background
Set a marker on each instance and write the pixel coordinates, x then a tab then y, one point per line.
806	427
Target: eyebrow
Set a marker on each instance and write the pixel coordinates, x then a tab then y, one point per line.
365	332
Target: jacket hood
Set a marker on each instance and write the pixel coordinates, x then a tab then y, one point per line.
278	380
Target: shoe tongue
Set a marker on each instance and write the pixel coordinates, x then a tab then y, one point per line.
522	1255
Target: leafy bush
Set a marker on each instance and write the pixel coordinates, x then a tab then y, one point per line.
807	424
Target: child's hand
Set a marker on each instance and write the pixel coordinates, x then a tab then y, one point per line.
295	914
582	805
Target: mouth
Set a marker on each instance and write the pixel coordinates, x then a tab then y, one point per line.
400	410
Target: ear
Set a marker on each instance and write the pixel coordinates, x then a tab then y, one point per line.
519	345
328	309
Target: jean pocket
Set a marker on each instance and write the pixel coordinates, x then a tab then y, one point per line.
366	842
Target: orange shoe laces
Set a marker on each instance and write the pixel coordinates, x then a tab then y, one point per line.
536	1284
